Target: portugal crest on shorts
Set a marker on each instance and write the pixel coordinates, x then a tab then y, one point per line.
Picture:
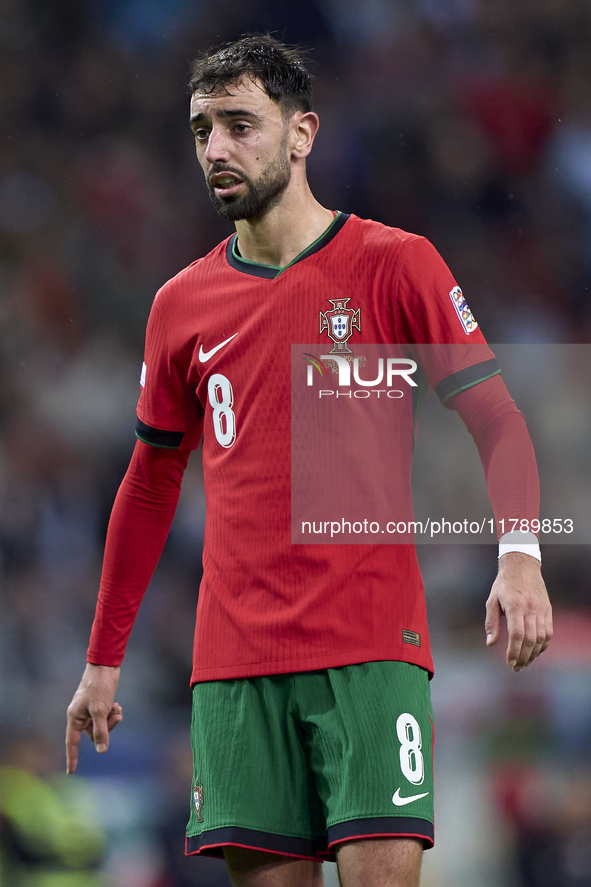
339	324
198	798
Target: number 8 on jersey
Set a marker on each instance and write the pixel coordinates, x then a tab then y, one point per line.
221	398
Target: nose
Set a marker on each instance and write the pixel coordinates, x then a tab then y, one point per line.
217	150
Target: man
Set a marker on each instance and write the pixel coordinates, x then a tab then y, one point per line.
311	728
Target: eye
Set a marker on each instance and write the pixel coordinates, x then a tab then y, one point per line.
201	135
241	128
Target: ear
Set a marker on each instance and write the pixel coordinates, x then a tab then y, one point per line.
303	129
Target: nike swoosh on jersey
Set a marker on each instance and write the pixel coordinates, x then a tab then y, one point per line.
400	802
205	355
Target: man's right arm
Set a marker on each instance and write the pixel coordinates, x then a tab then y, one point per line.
93	711
140	521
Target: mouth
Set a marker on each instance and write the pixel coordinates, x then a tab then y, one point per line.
225	184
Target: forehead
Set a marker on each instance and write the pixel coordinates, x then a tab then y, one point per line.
246	95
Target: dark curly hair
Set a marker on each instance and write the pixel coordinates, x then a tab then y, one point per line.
278	67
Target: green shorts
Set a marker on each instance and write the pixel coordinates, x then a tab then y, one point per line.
297	764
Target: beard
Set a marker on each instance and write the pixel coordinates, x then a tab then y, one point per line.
261	195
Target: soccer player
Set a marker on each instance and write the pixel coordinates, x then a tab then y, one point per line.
312	730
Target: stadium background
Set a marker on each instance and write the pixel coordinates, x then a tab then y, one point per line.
468	121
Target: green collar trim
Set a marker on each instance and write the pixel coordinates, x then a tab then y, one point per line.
271	272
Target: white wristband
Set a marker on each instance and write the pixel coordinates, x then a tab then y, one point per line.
526	543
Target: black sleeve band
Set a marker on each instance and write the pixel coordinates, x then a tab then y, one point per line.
457	382
158	438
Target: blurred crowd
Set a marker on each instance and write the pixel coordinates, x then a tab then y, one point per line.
467	121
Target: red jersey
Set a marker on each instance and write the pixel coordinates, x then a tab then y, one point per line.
217	364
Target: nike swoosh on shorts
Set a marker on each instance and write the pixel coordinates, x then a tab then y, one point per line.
400	802
205	355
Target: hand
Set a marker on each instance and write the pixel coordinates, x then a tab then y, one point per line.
92	711
519	592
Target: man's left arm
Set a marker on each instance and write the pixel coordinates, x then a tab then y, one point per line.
506	452
519	592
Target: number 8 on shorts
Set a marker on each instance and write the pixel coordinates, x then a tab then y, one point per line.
411	757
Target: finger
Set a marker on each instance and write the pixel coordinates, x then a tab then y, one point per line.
516	633
100	733
115	716
536	650
542	640
88	730
532	641
545	631
549	628
72	742
74	729
492	622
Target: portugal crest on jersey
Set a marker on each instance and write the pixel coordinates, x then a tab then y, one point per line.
198	798
339	324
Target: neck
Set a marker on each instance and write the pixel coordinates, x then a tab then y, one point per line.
286	230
